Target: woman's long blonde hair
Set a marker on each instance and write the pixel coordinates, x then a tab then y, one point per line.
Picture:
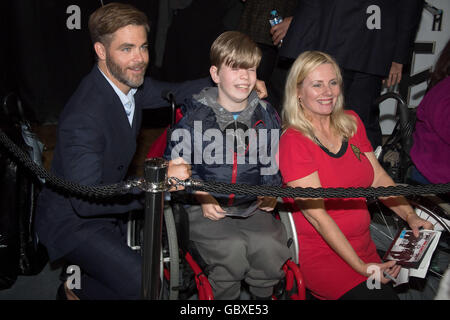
293	115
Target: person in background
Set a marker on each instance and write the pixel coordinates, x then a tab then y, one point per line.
323	145
192	31
254	22
430	152
371	41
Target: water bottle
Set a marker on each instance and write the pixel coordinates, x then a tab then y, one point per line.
275	19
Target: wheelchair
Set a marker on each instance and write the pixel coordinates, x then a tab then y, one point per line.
184	273
395	159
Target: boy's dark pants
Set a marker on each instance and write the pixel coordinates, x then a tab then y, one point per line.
253	249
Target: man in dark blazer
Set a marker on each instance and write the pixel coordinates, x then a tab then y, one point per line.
370	39
96	142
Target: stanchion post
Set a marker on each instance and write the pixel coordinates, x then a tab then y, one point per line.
155	173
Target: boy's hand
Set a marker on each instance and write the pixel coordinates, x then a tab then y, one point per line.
213	211
261	89
267	203
210	207
180	169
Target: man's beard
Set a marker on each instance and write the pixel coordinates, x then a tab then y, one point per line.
121	74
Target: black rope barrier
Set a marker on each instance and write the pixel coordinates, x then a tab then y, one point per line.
23	158
112	190
275	191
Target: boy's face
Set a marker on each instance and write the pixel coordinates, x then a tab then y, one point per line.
234	84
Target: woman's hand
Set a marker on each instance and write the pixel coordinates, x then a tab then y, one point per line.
415	223
389	267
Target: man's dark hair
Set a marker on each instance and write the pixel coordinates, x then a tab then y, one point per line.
109	18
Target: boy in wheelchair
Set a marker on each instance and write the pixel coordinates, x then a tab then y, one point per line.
232	135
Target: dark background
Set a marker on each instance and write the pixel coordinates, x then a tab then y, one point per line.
43	61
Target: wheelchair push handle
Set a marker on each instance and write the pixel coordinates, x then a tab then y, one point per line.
403	110
390	95
170	97
403	113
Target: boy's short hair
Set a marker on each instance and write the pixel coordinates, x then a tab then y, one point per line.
107	19
236	50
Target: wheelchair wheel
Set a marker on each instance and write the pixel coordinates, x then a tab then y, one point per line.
385	225
289	226
433	209
170	260
169	256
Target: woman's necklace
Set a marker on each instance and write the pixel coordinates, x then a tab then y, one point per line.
328	144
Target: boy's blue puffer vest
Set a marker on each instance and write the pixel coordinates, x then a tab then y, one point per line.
206	117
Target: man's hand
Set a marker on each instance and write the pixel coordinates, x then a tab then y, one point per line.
279	31
261	89
395	75
180	169
267	203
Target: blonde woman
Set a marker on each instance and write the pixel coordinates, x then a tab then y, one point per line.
323	145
